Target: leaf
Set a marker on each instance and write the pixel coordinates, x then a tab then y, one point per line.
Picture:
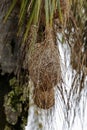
52	9
34	16
47	11
10	10
30	20
23	10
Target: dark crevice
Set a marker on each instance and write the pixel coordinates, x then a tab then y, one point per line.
4	89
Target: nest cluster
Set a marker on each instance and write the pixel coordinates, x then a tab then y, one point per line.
45	72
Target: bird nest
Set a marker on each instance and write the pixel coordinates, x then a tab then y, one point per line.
44	65
44	99
44	70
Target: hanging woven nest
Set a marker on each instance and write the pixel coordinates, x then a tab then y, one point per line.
44	99
44	64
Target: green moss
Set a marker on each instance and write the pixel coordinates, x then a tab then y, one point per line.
40	125
16	102
7	128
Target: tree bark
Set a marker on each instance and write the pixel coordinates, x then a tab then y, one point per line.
9	42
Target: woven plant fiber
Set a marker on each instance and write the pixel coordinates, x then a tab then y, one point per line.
44	99
44	64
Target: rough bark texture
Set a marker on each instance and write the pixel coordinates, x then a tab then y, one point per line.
8	38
